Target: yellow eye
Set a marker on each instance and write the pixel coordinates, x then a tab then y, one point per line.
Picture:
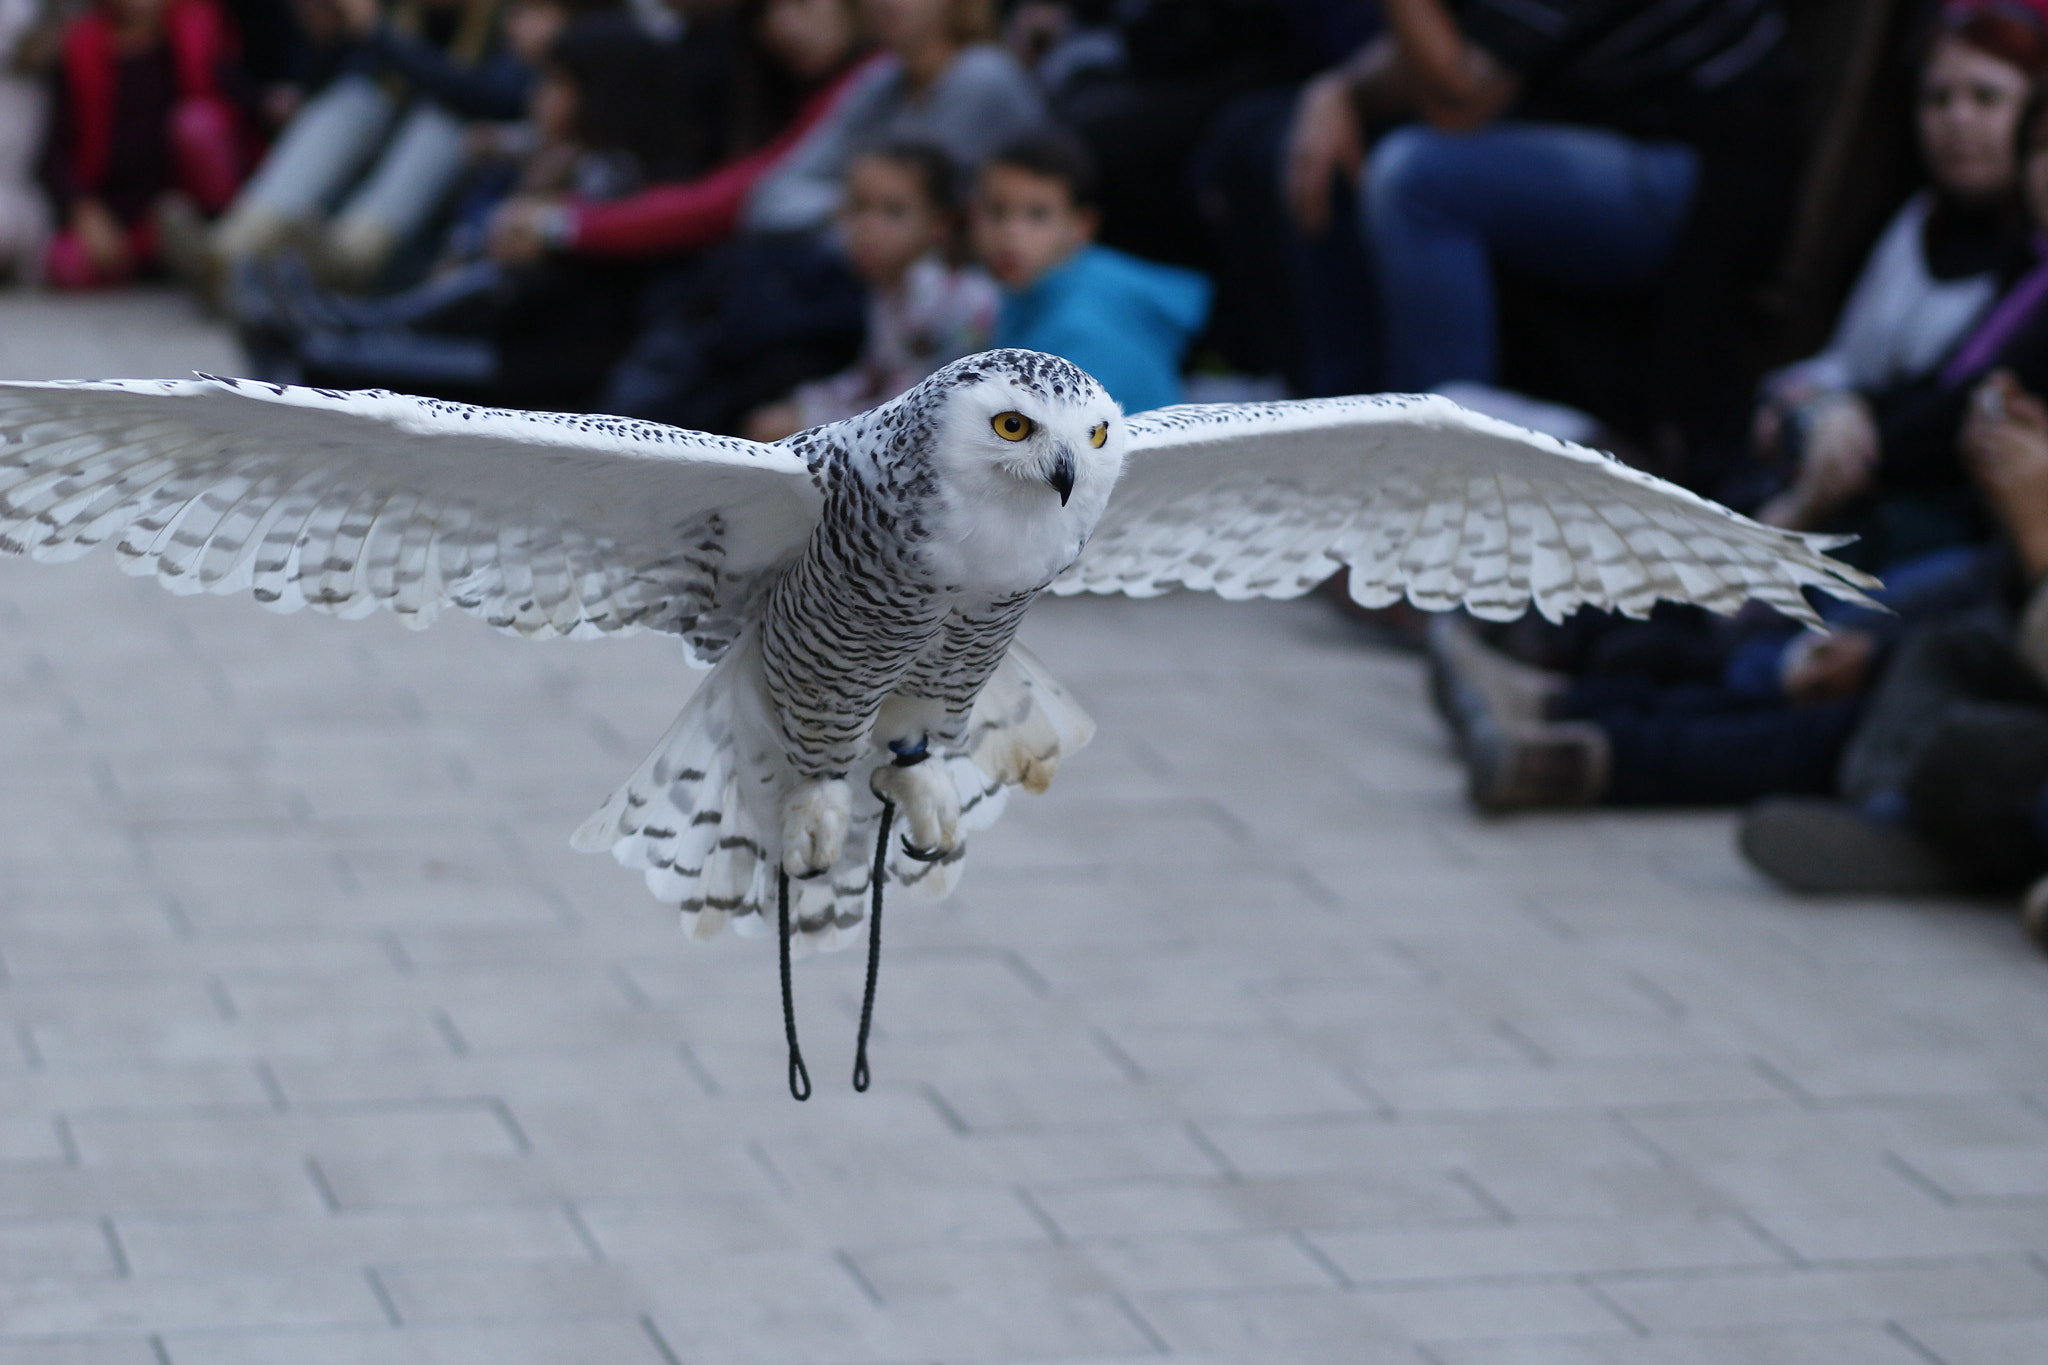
1099	435
1012	426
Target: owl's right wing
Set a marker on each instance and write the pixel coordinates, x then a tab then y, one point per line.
540	524
1421	497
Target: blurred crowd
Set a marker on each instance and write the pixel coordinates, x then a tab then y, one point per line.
752	216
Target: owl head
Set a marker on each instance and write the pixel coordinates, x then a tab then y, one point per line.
1026	448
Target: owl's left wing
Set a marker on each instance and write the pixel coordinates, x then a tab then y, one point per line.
1420	496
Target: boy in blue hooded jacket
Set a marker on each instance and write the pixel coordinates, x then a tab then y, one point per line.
1124	320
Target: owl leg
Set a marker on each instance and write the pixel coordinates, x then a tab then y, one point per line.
815	817
928	801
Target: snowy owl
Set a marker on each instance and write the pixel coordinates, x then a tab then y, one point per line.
855	589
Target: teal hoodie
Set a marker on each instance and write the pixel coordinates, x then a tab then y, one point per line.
1125	321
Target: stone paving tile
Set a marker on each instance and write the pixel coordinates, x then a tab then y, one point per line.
297	1296
1793	1346
74	1249
1125	1208
265	1183
1250	1045
1826	1295
1981	1341
133	1351
482	1233
613	1341
1225	1324
1542	1248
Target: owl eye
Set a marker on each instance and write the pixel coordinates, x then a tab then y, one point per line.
1099	435
1012	426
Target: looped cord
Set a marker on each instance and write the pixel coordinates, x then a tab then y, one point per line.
799	1074
867	999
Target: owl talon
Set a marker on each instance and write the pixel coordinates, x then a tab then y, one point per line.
928	804
815	818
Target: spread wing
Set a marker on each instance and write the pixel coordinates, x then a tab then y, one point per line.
1419	496
540	524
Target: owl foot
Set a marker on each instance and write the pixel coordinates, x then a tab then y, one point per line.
928	804
815	817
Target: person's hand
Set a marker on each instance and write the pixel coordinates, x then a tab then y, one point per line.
1325	141
2005	445
1841	453
517	233
1836	466
358	17
772	422
1768	426
99	232
280	102
1035	28
1828	667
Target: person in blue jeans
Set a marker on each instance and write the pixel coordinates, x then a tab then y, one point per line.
1593	145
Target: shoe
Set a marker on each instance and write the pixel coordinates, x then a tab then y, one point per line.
2034	913
1470	681
184	242
1814	844
1532	765
354	251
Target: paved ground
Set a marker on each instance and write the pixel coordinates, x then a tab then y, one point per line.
1248	1044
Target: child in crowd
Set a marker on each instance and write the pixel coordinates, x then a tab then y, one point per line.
897	224
151	103
1125	321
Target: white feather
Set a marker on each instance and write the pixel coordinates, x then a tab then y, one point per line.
1422	497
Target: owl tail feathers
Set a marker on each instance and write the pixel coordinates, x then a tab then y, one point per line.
1024	723
699	817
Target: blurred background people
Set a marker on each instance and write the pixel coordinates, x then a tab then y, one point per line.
1127	322
899	226
25	33
370	158
151	121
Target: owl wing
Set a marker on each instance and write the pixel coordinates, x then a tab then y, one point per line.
1419	496
540	524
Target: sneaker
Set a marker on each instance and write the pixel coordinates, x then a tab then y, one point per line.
184	243
1814	844
1471	683
1531	765
2034	913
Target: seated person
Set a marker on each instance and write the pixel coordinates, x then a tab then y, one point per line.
150	105
897	226
1126	321
937	80
775	304
387	136
1945	782
1882	463
1597	146
1690	709
1941	261
538	335
24	104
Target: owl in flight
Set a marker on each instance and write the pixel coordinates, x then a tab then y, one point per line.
855	589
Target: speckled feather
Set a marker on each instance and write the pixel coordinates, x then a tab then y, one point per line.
1424	498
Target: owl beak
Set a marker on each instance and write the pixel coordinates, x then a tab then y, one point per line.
1062	475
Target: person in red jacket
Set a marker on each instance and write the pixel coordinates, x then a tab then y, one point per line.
147	108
